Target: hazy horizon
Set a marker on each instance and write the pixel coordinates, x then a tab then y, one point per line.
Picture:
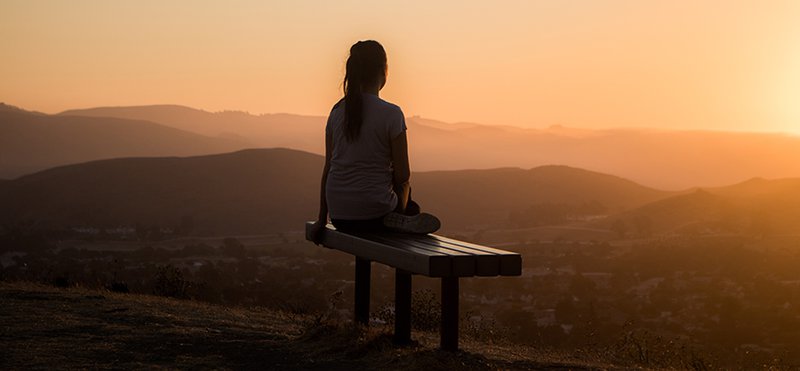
426	118
668	159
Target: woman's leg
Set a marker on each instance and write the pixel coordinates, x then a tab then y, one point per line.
412	207
355	226
412	220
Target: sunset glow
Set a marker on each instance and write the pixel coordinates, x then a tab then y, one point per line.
691	65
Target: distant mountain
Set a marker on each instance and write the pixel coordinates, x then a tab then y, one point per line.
31	141
268	190
180	117
766	206
9	108
756	207
305	133
488	197
662	159
760	187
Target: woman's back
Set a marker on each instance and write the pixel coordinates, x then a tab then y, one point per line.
360	178
365	180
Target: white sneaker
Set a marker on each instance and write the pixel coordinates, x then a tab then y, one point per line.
422	223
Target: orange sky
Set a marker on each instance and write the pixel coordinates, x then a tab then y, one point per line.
725	65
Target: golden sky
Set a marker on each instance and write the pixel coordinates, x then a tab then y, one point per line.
723	65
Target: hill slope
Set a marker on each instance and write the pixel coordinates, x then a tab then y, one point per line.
76	329
757	207
270	190
246	191
32	142
488	197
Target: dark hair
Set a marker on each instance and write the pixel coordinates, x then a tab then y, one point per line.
366	65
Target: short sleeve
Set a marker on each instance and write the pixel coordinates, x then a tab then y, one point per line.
332	117
328	125
397	124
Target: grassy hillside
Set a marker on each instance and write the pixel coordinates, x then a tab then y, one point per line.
32	142
44	327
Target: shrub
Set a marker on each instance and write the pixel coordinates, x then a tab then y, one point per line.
169	282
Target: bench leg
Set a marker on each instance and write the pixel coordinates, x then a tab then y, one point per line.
402	307
449	331
362	291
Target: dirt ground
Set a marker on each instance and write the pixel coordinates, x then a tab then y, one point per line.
43	327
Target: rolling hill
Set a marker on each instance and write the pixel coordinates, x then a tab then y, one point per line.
487	197
274	190
755	207
246	191
32	141
270	190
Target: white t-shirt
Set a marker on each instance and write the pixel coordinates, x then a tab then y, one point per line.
360	182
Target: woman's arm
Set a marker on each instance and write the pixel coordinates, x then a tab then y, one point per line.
402	171
322	218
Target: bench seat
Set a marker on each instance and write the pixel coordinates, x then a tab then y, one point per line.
429	255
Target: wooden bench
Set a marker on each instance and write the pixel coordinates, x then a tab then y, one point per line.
428	255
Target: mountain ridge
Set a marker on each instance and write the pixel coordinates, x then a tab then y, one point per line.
265	130
276	190
32	142
258	190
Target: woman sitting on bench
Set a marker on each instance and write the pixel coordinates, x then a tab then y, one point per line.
365	181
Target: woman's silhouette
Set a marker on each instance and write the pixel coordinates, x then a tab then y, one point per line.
365	181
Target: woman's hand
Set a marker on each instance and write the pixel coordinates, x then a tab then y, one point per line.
318	228
401	171
316	231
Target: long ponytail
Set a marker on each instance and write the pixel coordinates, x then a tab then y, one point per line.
365	65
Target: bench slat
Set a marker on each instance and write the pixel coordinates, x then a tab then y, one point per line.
510	262
429	255
419	261
486	264
463	264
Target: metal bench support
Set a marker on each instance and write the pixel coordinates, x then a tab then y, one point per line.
402	307
449	331
363	272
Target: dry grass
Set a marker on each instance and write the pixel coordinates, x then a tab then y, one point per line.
48	328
